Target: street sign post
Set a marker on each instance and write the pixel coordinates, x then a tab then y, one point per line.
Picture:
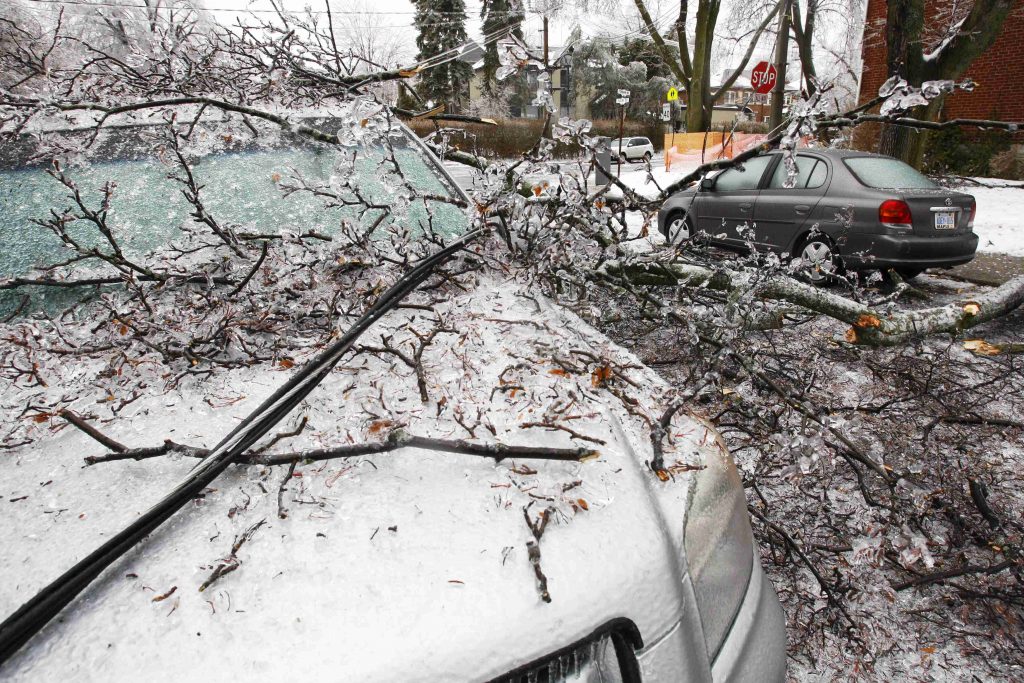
763	78
672	95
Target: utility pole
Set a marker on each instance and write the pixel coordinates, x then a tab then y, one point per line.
545	41
781	55
547	70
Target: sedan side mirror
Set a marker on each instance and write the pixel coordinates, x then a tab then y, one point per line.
707	184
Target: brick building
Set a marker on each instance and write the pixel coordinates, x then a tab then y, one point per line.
998	73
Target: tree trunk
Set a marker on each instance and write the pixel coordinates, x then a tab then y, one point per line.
906	57
698	103
803	30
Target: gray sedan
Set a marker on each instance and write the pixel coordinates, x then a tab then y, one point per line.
841	210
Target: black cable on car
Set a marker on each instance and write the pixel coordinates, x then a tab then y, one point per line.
31	617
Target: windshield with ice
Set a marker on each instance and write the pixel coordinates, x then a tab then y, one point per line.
298	189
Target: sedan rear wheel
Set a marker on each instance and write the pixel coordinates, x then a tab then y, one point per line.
820	263
909	273
677	230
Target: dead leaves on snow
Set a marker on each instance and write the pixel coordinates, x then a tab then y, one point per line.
980	347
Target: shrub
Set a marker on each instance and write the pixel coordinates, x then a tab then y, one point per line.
513	137
970	153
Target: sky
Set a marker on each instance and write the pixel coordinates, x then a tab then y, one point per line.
614	18
617	19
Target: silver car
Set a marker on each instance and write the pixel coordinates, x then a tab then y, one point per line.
841	210
633	149
412	566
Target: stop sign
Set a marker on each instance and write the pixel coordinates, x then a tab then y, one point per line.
763	77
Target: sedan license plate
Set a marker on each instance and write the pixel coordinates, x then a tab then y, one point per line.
945	220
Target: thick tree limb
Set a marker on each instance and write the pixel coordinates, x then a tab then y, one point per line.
922	124
870	326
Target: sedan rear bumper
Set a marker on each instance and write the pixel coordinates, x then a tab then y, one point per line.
908	251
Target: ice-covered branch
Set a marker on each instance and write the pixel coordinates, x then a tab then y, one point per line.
869	325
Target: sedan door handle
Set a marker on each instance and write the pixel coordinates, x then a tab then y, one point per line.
745	207
802	209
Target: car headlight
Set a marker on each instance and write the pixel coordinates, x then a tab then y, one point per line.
719	545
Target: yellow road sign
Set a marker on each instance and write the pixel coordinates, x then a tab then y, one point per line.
672	95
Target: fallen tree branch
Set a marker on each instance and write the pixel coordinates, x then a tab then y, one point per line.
395	440
806	560
282	513
869	326
795	402
533	547
954	572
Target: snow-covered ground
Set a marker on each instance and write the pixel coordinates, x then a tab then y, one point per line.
999	222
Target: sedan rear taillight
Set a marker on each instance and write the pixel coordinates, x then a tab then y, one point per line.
895	212
974	210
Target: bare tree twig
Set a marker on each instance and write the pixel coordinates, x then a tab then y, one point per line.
93	432
231	562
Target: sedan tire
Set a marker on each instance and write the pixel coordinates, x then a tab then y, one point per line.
820	261
910	273
678	229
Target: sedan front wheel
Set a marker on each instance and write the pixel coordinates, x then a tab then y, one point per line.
677	230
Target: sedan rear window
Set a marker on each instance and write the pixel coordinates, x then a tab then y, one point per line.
884	172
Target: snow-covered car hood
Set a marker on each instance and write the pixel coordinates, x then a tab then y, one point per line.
409	565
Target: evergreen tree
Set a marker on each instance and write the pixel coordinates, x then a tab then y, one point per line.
442	31
644	50
497	16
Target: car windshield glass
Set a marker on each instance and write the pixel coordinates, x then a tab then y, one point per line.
885	172
745	178
298	189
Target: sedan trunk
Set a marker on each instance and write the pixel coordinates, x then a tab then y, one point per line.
938	212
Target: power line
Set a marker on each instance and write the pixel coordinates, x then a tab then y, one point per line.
434	61
246	10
